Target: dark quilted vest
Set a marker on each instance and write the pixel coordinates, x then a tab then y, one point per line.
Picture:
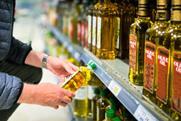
6	26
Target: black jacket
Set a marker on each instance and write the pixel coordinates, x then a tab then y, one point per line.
12	50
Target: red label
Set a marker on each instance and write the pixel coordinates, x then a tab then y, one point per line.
176	97
162	72
132	51
149	61
79	31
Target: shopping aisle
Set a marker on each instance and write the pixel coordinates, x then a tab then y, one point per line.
26	29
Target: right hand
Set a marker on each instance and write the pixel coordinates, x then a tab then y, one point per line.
46	94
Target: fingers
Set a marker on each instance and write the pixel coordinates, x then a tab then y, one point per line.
75	68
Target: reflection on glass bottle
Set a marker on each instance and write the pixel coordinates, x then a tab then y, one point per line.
137	42
174	35
154	35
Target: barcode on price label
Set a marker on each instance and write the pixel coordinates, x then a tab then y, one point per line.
114	87
141	114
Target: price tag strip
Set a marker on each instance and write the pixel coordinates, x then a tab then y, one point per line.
114	87
141	114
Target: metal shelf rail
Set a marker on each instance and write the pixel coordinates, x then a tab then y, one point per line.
114	75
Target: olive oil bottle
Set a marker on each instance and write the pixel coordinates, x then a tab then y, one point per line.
79	78
174	34
137	43
108	25
153	35
96	9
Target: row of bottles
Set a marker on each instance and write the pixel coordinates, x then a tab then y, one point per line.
155	55
95	102
151	42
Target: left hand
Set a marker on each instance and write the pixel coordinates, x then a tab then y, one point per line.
60	67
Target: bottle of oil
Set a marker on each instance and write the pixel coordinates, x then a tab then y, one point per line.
153	35
79	78
94	103
90	25
93	85
96	9
108	23
137	42
102	105
127	15
174	34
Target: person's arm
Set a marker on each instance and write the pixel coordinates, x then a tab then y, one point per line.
58	66
10	90
18	51
45	94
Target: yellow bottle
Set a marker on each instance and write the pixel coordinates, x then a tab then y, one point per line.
174	35
79	78
108	25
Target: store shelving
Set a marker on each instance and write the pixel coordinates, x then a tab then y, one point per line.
114	75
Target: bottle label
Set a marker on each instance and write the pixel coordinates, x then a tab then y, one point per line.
81	93
99	32
162	74
133	51
94	31
118	31
149	59
91	94
89	29
176	97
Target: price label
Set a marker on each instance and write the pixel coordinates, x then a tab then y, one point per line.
141	114
114	88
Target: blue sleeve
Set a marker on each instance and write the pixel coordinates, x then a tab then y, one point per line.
10	90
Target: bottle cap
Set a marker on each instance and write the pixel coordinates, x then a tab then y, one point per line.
97	91
110	113
91	65
116	119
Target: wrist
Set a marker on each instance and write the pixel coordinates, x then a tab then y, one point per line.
44	62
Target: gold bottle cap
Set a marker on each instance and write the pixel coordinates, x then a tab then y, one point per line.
161	2
176	2
142	2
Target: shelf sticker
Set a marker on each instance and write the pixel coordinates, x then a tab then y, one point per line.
141	114
114	87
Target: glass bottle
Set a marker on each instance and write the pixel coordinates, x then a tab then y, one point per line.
90	24
108	23
93	85
174	35
94	103
97	7
153	35
137	42
127	16
79	78
102	105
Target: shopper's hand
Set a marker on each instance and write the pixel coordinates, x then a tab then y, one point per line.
45	94
60	67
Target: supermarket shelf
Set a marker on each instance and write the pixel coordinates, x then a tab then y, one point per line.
114	74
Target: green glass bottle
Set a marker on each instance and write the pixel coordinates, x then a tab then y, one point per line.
174	35
137	43
110	114
153	35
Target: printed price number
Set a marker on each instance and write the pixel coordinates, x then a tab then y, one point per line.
141	114
114	88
